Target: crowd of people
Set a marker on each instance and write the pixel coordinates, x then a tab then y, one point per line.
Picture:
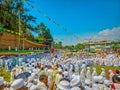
55	72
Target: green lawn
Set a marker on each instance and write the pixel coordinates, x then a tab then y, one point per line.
6	75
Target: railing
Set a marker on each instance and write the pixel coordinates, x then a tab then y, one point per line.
22	52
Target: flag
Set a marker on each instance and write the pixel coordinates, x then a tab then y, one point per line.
23	1
49	18
32	6
54	22
8	30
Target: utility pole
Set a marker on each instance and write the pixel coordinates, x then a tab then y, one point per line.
19	30
23	41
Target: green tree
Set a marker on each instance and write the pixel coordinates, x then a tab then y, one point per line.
115	46
9	11
58	45
79	47
69	47
44	32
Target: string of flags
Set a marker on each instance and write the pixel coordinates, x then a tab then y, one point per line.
17	33
50	19
54	22
9	31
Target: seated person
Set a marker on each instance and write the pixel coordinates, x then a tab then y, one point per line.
18	84
43	83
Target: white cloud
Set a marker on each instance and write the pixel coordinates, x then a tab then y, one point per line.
104	32
109	33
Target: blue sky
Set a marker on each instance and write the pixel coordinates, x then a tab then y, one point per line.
84	18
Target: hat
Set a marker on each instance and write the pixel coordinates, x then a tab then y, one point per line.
1	80
59	70
65	73
16	65
88	88
88	81
64	85
100	79
30	79
102	69
18	83
95	78
8	84
20	59
33	87
33	75
5	83
75	88
94	68
75	81
107	82
88	68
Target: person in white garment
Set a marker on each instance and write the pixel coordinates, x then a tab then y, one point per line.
33	87
1	64
42	71
59	76
64	84
12	75
94	73
6	64
66	73
119	61
71	74
18	84
75	82
106	62
88	73
17	70
1	83
30	83
101	82
83	67
116	62
95	86
6	85
111	62
88	84
107	85
49	74
43	83
111	74
75	88
20	61
82	76
103	73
